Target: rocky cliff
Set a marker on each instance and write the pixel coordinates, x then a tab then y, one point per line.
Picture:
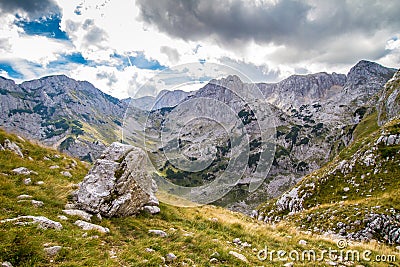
70	115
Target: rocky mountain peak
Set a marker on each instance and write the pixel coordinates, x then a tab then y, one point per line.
368	77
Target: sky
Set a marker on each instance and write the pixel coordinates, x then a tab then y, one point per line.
118	45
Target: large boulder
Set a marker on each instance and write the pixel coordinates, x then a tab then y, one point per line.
118	184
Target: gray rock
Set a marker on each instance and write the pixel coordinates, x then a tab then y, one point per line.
13	147
54	167
43	222
24	196
40	183
66	174
152	209
52	251
37	203
118	183
80	213
62	217
158	232
238	256
6	264
170	257
302	242
22	171
1	148
90	226
27	181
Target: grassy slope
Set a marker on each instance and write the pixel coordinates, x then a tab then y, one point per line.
194	237
368	191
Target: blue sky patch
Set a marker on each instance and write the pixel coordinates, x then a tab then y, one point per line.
48	27
139	61
10	70
66	59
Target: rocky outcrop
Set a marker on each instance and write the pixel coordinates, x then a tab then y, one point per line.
41	221
389	101
54	110
118	184
13	147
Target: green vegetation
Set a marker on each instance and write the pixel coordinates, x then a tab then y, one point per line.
194	234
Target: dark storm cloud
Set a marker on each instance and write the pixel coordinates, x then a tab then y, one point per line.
34	8
298	25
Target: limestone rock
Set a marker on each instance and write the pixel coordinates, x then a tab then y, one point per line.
43	222
152	209
6	264
90	226
52	251
118	184
22	170
13	147
158	232
170	257
66	174
80	213
238	256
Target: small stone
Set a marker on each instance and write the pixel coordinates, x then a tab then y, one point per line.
54	167
66	174
52	251
332	263
24	196
214	219
158	232
80	213
289	264
238	256
40	183
22	170
237	241
213	260
246	245
302	242
90	226
30	158
398	248
45	158
149	250
37	203
151	209
27	181
69	206
215	255
6	264
62	217
170	257
346	189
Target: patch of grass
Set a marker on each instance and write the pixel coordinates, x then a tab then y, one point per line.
194	234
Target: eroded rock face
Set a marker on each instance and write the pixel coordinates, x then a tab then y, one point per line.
118	183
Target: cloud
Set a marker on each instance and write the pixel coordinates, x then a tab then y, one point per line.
32	8
301	28
172	53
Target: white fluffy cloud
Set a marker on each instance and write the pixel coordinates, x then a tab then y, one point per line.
268	40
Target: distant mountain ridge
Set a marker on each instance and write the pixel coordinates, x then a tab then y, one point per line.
316	115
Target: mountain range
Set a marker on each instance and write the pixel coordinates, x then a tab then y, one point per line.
315	117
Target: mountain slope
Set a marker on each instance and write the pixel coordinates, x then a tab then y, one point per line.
354	195
315	116
203	236
70	115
